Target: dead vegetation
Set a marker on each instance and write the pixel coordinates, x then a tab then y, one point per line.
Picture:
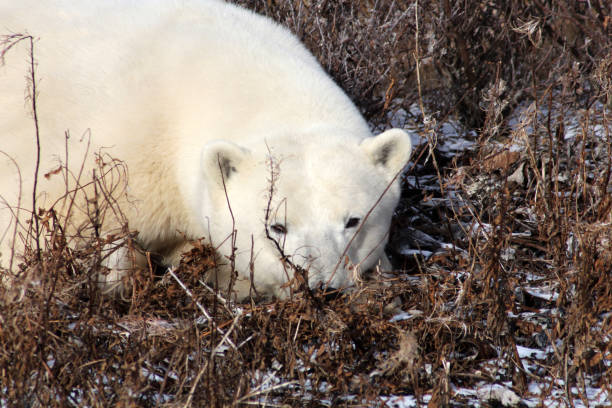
508	285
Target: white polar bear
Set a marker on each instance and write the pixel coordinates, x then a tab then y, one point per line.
204	102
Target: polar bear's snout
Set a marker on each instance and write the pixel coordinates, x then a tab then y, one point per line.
324	261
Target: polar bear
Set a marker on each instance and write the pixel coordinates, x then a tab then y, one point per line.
228	129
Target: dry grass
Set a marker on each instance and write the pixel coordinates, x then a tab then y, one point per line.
526	212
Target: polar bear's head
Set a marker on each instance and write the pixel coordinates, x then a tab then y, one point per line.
322	201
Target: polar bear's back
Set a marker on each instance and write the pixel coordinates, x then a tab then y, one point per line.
160	60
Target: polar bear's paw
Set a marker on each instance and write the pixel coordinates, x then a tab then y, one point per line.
118	260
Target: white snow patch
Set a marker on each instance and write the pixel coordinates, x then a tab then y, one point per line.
541	293
404	401
406	315
526	352
410	251
499	393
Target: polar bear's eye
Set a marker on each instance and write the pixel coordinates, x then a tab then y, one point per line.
352	222
279	228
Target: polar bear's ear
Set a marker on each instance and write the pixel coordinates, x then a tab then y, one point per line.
220	159
390	150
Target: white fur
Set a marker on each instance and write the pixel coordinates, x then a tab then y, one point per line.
174	89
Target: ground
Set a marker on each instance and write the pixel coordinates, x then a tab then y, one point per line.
502	242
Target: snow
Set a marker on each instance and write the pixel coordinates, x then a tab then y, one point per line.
410	252
559	398
542	293
498	393
406	315
404	401
526	352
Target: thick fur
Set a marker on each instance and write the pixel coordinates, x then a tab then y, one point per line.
206	103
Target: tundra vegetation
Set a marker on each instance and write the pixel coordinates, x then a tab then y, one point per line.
502	243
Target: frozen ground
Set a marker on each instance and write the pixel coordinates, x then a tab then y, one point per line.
542	388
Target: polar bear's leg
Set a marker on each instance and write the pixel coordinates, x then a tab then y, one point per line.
119	261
